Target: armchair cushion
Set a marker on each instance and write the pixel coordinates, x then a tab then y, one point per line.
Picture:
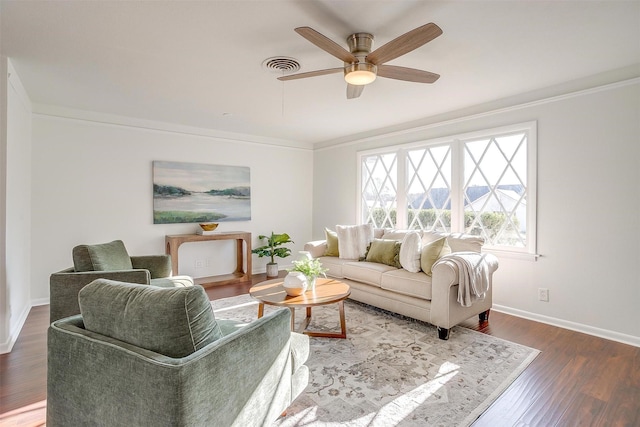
129	312
103	257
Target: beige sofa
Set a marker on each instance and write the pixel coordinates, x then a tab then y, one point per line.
433	299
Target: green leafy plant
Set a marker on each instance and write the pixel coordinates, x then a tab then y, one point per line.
274	247
311	268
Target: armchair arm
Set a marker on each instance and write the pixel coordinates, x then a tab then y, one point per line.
317	248
65	285
158	265
241	379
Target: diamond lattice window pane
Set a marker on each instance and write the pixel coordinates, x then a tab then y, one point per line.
495	205
379	190
429	189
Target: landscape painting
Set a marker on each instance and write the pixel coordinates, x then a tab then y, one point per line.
195	192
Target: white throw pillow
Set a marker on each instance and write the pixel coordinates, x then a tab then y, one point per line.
353	240
410	252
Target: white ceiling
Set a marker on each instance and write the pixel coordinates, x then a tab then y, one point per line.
192	62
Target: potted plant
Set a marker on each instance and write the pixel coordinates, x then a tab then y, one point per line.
273	249
310	267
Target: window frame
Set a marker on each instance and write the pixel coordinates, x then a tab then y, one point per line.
457	142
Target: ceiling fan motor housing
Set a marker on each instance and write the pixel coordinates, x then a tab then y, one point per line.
361	72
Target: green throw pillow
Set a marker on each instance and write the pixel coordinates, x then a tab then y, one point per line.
332	243
384	251
432	252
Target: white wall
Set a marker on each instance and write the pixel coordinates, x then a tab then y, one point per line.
588	204
92	183
5	340
16	299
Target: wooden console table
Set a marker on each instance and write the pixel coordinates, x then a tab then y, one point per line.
239	275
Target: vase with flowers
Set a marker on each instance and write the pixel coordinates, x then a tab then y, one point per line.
310	267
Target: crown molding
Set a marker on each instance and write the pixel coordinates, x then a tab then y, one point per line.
462	118
54	111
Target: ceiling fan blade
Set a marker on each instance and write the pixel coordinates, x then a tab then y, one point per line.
404	44
407	74
326	44
311	74
354	91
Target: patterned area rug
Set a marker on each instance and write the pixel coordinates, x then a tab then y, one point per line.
392	370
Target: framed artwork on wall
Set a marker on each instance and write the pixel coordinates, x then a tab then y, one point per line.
196	192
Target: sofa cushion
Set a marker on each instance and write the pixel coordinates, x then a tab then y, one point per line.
353	240
379	232
433	252
430	236
332	243
365	272
384	252
397	234
103	257
413	284
410	252
459	242
174	322
333	265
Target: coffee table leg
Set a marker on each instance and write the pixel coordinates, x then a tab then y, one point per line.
305	322
343	323
260	310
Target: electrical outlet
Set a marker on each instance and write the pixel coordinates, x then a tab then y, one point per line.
543	294
199	263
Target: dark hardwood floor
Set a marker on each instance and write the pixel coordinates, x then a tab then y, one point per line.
577	380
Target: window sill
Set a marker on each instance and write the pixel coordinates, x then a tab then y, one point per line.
503	253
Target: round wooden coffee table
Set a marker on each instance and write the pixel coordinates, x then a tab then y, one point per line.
328	291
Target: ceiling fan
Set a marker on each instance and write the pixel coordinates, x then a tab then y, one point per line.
361	66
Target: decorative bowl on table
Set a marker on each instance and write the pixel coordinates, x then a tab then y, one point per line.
209	226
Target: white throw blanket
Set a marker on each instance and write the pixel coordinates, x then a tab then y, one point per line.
473	274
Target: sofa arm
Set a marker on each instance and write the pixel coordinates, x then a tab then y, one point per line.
158	265
241	379
317	248
65	285
446	312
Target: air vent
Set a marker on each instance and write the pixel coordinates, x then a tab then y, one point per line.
281	65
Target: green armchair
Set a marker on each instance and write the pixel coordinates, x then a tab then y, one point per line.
145	356
107	261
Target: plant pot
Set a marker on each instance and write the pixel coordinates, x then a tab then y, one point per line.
272	269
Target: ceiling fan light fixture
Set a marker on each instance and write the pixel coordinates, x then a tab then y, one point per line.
360	74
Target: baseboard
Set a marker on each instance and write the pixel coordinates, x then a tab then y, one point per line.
14	333
39	301
578	327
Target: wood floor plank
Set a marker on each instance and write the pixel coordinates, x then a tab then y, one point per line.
576	380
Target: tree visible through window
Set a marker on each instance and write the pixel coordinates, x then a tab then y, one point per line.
481	184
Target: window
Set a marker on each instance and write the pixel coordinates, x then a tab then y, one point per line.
482	183
379	184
